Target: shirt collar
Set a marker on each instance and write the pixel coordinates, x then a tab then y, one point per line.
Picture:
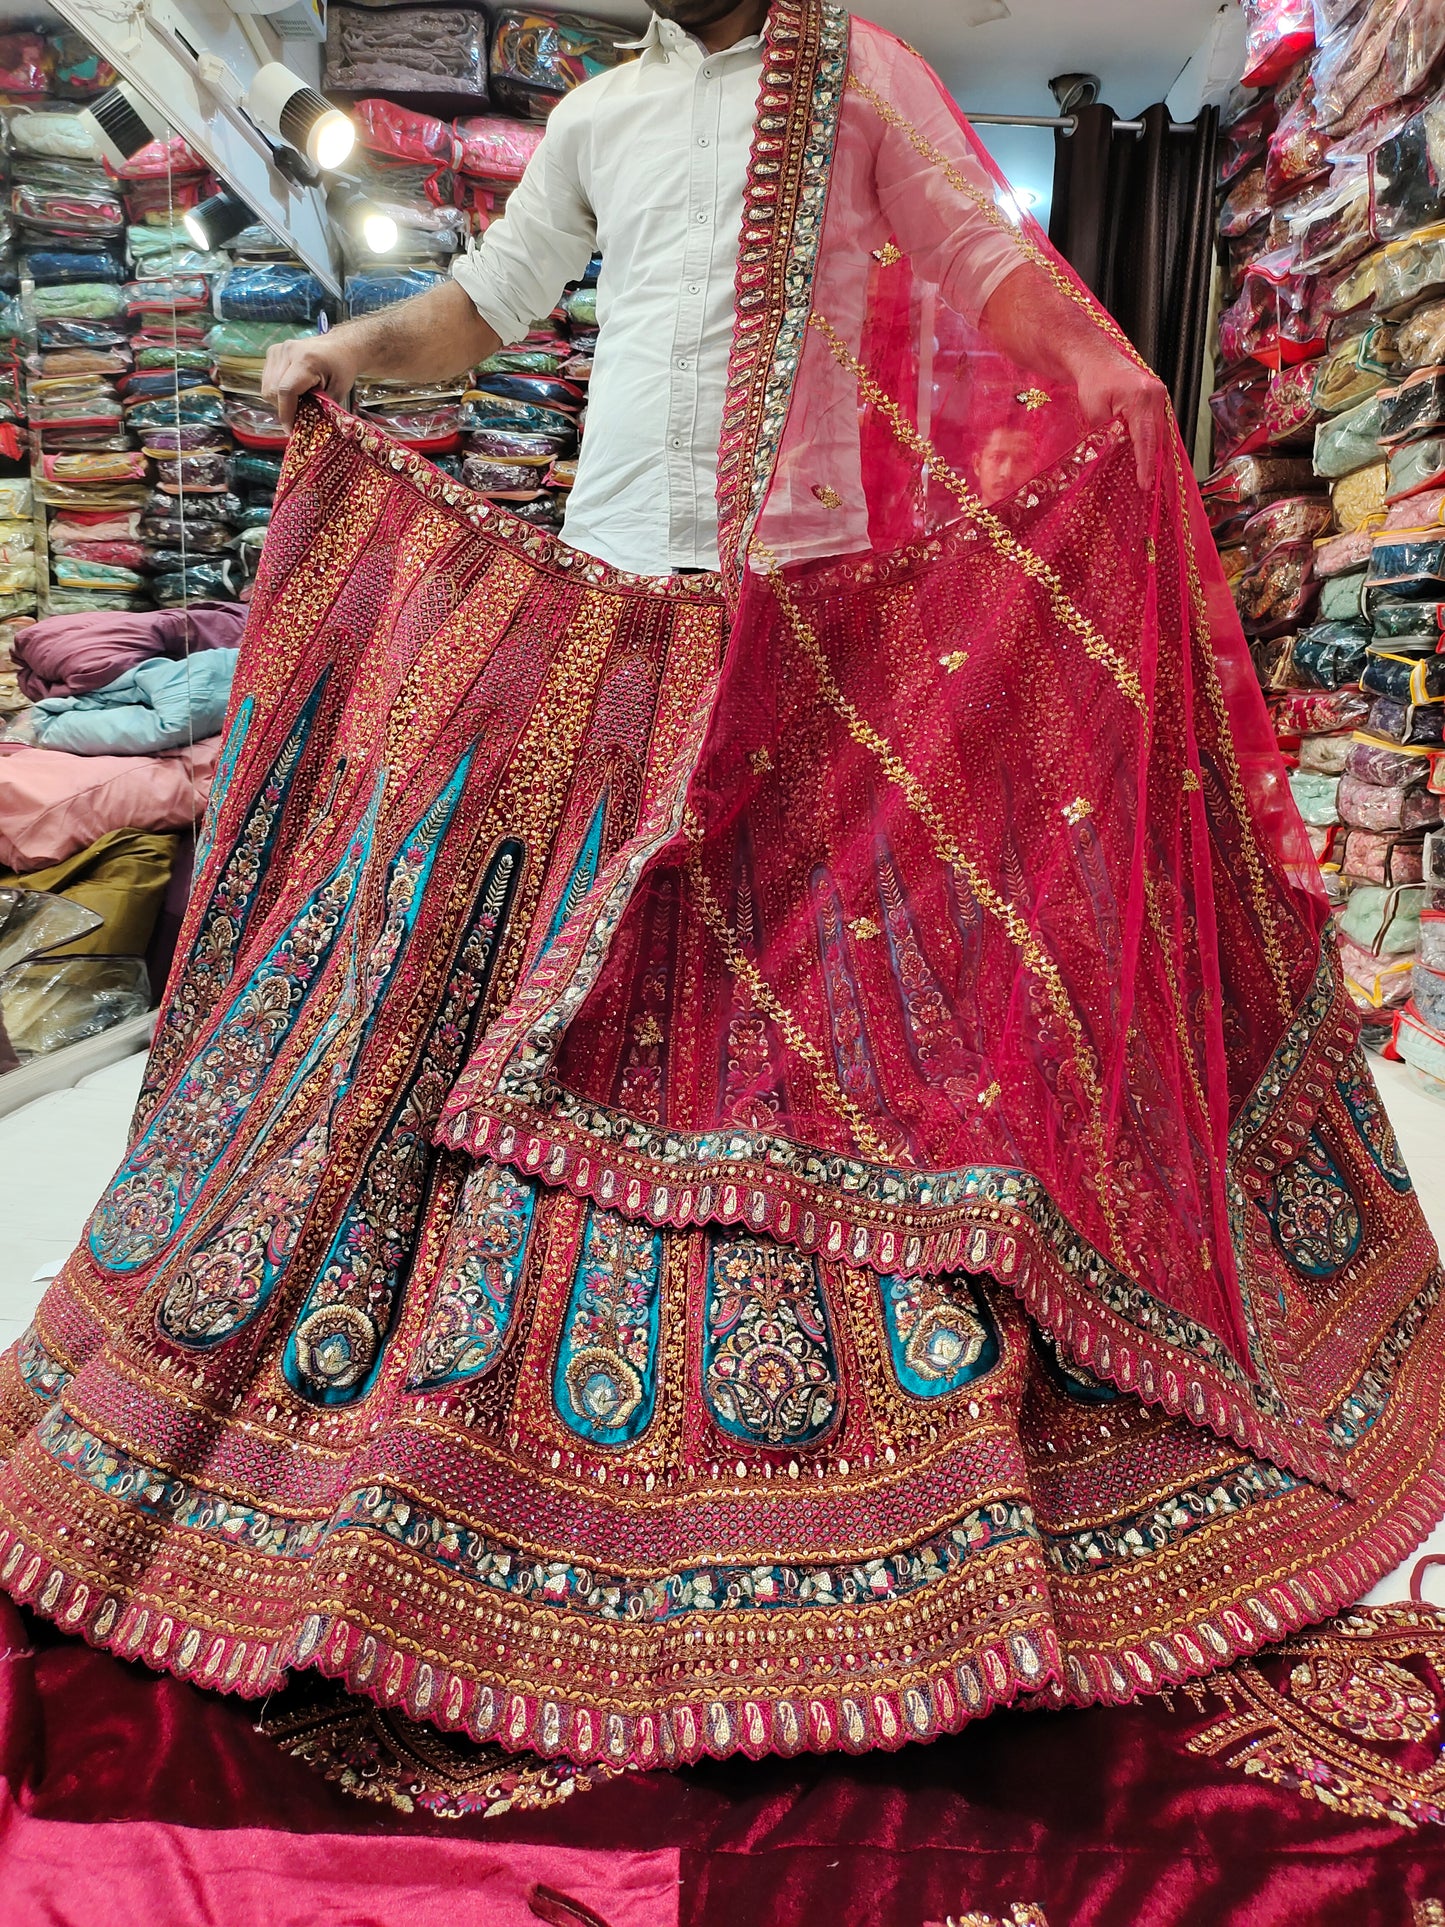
654	41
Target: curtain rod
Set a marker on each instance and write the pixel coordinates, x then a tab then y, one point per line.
1066	123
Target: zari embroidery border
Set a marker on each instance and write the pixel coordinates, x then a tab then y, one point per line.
805	65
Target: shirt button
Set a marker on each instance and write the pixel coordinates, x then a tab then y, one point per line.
677	441
700	215
694	287
683	362
703	141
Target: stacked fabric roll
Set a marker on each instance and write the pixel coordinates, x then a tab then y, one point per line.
1333	341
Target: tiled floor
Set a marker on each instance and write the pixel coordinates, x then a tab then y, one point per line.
56	1155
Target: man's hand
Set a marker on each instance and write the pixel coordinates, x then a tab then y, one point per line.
1110	385
295	368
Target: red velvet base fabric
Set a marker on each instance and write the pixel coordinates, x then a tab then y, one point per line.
132	1798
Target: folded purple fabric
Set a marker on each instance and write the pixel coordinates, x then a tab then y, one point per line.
71	655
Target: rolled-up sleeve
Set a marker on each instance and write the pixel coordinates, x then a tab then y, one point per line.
516	270
952	233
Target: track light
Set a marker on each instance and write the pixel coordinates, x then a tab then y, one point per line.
363	220
287	110
213	222
122	123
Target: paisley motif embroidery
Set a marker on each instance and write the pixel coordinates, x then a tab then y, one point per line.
941	1334
476	1291
1074	1381
584	875
605	1382
852	1052
770	1374
234	1272
152	1193
335	1351
212	954
934	1041
1376	1133
750	1075
1312	1212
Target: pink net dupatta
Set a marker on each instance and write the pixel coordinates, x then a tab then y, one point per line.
997	947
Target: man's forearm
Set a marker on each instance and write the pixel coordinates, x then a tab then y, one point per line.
1038	327
432	337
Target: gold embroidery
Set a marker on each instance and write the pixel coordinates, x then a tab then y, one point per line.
647	1031
827	495
1192	783
1429	1913
1349	1682
760	760
1151	550
1033	398
992	1095
1076	811
765	1000
995	216
1021	1914
889	254
1004	542
954	661
865	929
949	851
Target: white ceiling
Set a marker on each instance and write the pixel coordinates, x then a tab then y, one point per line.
1137	47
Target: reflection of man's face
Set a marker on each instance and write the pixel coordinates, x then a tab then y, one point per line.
1005	462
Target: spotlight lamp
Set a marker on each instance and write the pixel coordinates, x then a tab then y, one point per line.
121	123
363	220
288	111
213	222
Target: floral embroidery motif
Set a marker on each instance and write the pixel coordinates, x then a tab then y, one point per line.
1313	1214
889	255
232	1274
827	495
941	1334
1076	811
605	1383
476	1290
1033	398
335	1349
212	954
42	1374
769	1371
953	661
151	1195
1349	1720
1377	1134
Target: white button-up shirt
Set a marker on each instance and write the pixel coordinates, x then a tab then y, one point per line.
648	163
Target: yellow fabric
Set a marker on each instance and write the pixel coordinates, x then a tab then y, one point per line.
123	877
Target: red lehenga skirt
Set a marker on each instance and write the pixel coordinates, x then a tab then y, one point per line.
554	1468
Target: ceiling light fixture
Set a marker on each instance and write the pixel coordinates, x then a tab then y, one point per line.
363	220
217	220
122	123
287	110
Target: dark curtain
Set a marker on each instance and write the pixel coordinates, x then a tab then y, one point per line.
1134	216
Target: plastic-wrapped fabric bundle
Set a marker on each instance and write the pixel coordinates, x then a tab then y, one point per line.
1388	768
1330	654
1289	415
273	291
1246	206
1404	679
81	300
1244	137
396	133
1375	983
412	50
78	72
1294	518
496	150
1238	411
1377	806
1315	797
53	134
1333	228
367	293
213	577
1420	336
537	57
1279	592
68	211
1408	175
52	1003
1385	857
1416	467
27	63
1279	33
1411	271
1414	409
1354	370
1325	755
1394	722
1341	553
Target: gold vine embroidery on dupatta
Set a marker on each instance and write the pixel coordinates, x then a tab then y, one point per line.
766	999
948	850
1021	1914
994	215
1002	540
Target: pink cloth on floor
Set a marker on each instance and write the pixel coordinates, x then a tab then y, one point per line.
53	804
70	655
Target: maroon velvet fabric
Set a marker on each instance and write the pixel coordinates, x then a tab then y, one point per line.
1099	1819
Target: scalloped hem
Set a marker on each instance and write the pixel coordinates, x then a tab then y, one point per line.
930	1704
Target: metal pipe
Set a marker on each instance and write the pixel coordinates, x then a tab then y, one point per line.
1066	123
